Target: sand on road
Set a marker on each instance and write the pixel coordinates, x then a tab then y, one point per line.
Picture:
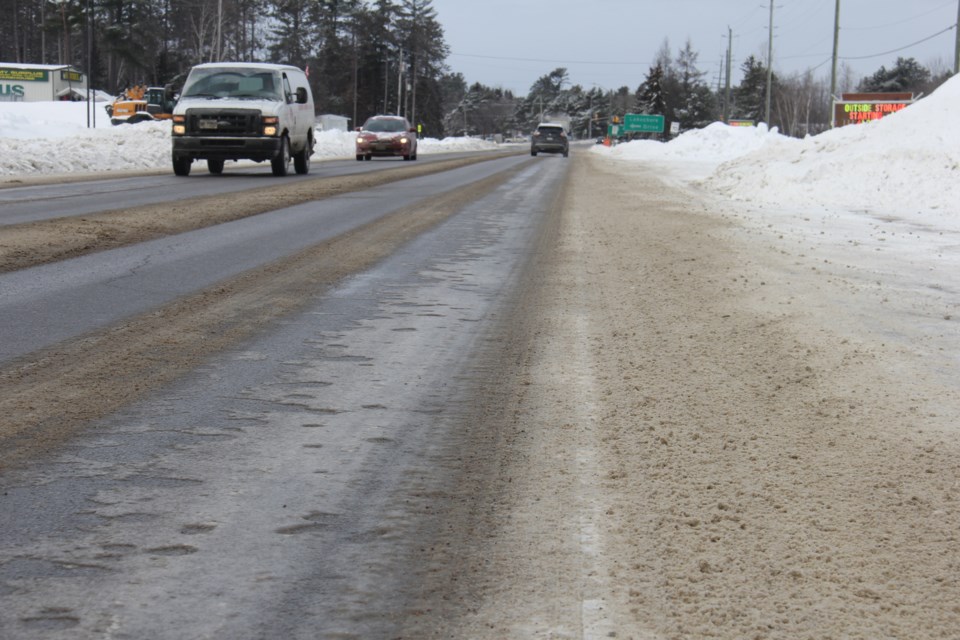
689	438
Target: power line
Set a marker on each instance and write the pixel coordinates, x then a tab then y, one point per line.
873	55
913	44
897	24
647	64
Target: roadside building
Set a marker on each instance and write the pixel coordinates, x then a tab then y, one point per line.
41	82
330	122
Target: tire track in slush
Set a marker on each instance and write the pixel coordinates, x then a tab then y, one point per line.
48	396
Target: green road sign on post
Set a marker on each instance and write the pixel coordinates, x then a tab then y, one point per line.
642	123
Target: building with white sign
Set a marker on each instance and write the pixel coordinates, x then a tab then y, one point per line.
41	82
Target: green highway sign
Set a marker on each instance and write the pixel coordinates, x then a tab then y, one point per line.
642	123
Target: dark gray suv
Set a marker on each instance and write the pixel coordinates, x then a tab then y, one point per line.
550	137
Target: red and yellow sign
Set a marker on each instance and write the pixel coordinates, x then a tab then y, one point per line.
859	108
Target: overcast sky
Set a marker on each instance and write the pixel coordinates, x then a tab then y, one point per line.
611	43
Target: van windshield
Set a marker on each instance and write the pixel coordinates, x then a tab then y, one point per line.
235	82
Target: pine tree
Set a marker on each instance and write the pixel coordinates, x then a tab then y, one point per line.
426	51
750	95
906	75
292	34
650	97
693	104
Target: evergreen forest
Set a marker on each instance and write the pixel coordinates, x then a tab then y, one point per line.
365	57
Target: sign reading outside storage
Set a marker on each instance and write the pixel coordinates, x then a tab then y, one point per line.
858	108
642	123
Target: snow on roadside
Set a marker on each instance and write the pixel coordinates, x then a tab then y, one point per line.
907	164
870	204
52	137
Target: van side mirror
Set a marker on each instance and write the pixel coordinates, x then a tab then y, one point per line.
301	95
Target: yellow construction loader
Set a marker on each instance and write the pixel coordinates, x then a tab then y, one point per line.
141	103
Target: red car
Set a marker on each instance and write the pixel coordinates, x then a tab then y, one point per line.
386	136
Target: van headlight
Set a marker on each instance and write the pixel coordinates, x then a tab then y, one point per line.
179	125
271	126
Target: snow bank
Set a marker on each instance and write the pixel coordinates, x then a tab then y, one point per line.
52	137
908	162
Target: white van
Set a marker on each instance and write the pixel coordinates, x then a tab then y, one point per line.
244	111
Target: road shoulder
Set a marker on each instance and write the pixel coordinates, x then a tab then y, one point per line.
674	445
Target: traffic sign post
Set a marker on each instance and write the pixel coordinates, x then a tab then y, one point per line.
642	123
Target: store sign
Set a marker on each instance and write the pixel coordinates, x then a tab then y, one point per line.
11	92
71	76
741	123
860	108
23	75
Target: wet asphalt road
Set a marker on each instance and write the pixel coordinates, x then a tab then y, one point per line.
32	203
44	305
281	489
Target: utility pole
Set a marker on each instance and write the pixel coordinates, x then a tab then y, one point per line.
90	105
833	73
956	53
766	111
726	94
386	80
400	83
218	52
353	37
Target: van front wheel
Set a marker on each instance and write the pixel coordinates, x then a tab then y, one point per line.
281	164
181	166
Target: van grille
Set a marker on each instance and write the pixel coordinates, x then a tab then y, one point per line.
223	122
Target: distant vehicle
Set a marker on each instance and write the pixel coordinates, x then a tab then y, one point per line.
389	136
550	137
141	103
244	111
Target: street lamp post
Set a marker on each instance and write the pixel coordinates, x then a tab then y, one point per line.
90	112
590	119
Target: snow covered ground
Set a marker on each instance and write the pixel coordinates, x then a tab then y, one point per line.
868	203
53	137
